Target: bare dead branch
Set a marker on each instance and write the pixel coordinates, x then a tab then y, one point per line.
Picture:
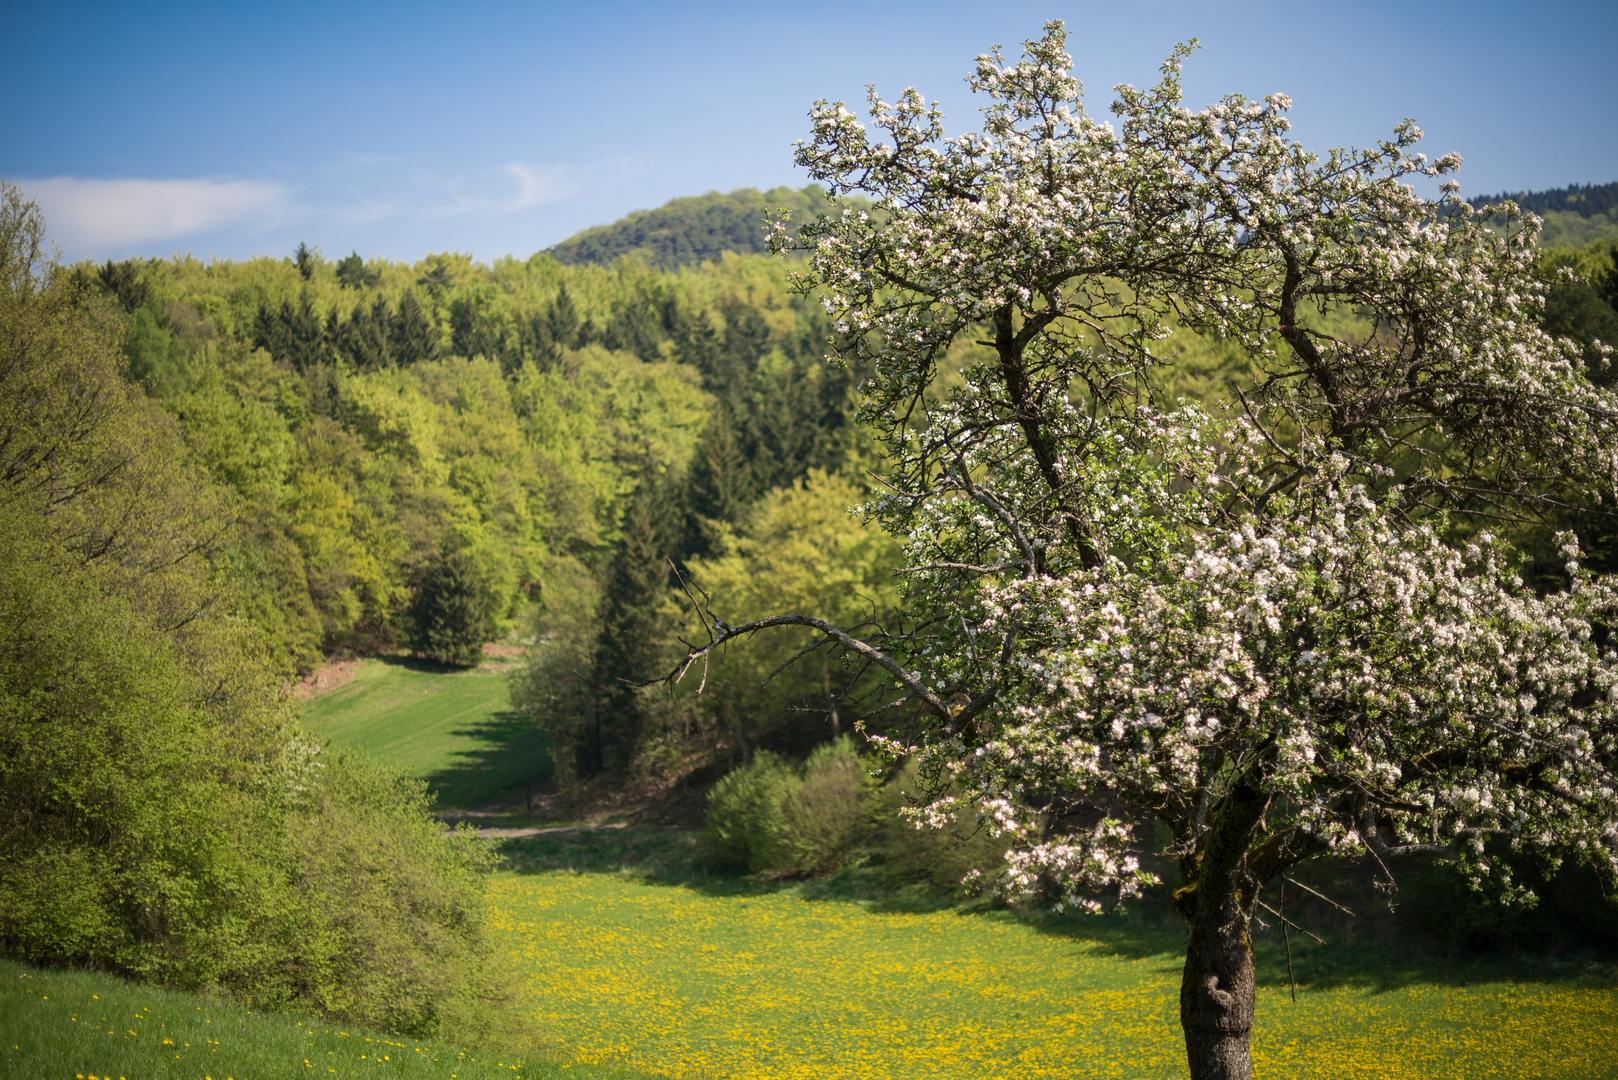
1318	896
908	679
1288	922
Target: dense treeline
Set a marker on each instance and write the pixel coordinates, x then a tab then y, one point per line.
375	420
1586	200
437	454
1574	216
161	813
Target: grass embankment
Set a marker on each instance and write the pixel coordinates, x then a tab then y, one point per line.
66	1025
635	955
454	730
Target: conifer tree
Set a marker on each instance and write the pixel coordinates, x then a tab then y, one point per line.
124	282
722	483
414	338
449	614
628	651
563	320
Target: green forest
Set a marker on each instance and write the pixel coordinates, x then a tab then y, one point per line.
217	476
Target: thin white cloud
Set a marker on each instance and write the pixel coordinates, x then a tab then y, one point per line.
542	183
102	214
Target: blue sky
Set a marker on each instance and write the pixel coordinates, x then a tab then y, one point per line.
398	129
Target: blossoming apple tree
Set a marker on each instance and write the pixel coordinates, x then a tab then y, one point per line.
1289	628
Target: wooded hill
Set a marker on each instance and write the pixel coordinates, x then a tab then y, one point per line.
691	230
1575	216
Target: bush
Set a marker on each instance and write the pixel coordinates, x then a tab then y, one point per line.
148	837
775	817
829	812
940	857
744	824
1573	911
392	907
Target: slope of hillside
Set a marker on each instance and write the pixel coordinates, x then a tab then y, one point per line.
1576	215
690	230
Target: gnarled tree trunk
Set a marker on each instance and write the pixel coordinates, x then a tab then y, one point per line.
1217	992
1217	988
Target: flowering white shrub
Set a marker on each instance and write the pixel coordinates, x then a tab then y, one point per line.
1287	630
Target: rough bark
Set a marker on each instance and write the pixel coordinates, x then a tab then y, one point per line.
1217	996
1217	987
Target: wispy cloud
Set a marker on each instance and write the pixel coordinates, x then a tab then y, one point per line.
103	214
543	183
354	200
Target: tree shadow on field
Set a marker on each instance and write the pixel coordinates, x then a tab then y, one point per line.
506	751
652	856
673	858
421	665
1395	939
1375	951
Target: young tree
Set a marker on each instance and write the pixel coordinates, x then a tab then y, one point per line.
1290	630
449	616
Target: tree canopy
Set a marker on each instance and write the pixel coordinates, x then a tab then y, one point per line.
1289	625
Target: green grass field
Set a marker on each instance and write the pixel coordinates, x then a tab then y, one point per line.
696	975
639	962
453	729
58	1025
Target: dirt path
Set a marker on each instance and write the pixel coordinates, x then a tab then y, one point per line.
548	830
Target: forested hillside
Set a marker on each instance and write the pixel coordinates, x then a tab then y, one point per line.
1574	216
1586	200
433	455
690	230
162	814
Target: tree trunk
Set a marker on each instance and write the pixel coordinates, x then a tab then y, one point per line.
1217	994
1217	989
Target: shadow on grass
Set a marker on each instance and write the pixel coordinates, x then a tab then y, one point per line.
421	665
506	752
1376	956
672	858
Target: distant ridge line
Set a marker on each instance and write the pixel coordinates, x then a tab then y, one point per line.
1586	200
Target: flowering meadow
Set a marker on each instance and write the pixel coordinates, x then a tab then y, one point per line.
57	1025
694	983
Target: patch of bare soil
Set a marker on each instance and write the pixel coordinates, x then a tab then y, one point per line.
328	676
500	657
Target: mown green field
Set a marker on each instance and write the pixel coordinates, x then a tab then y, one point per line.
720	977
58	1025
454	730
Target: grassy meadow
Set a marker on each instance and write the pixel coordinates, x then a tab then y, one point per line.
454	730
700	975
71	1025
632	960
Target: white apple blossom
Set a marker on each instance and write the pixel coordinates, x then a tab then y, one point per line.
1292	629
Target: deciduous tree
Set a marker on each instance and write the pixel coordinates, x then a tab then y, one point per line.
1290	629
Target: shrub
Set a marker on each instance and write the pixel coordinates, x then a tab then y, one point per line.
744	823
774	817
393	908
829	812
940	857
